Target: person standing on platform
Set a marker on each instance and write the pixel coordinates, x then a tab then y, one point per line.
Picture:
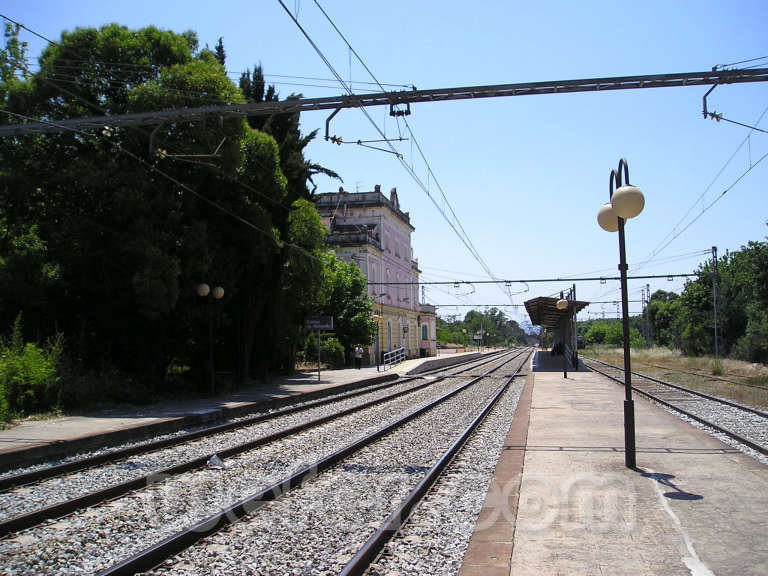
358	356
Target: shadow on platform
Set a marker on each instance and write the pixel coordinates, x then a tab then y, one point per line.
543	361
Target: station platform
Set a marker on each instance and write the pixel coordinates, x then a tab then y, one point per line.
31	441
562	502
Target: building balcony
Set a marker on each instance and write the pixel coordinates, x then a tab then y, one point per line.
427	308
352	239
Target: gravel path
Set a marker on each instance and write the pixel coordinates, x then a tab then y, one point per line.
317	529
102	535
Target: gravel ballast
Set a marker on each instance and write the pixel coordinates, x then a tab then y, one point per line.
100	536
317	529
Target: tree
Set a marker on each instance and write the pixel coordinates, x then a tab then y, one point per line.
113	230
663	308
221	55
285	129
687	321
497	328
596	333
345	297
14	68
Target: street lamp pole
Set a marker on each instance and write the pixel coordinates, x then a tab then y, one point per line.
626	202
378	316
204	291
562	305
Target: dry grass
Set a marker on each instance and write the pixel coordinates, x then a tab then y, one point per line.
740	381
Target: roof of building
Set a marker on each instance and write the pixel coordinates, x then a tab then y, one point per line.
543	311
333	202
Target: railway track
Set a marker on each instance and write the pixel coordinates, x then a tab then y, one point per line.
193	485
121	473
746	425
370	554
76	463
734	379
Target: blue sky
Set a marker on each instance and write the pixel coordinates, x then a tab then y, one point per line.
525	175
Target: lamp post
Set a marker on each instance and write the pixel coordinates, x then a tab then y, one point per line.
625	203
378	316
204	291
561	305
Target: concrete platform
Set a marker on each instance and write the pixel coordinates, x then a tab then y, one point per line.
563	503
28	442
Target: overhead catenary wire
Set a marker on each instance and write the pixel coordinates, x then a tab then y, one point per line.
536	280
715	201
673	234
742	62
119	149
463	236
46	79
64	68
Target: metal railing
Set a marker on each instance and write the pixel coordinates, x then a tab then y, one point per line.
393	358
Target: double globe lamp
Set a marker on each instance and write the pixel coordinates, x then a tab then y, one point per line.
625	203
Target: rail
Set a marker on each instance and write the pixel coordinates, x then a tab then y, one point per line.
393	358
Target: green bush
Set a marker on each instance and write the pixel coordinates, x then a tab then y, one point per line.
596	333
614	336
28	374
332	352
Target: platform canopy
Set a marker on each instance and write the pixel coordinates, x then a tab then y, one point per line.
543	311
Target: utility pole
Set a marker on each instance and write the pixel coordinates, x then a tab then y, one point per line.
714	293
648	312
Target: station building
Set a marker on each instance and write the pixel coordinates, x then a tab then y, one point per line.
371	230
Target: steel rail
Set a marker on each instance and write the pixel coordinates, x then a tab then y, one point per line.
711	77
480	361
121	453
161	551
24	521
746	441
375	544
26	478
688	390
30	519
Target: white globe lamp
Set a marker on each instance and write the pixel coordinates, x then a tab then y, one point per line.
627	202
607	218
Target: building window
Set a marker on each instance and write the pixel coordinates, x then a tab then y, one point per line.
397	249
424	336
399	294
387	290
386	242
372	278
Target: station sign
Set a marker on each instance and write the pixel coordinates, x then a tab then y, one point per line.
318	322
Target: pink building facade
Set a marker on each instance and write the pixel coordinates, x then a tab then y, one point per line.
371	230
